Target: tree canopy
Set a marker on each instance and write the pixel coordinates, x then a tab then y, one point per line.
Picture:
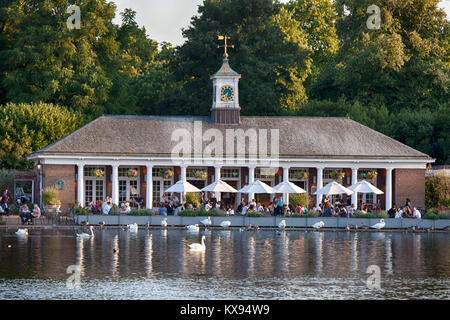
297	57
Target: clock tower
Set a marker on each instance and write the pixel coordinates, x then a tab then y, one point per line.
225	105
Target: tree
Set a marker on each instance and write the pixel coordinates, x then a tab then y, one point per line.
46	61
270	58
25	128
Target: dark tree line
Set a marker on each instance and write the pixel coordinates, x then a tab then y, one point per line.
304	57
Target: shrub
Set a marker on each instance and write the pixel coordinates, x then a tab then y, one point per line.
444	215
370	215
81	211
188	213
254	214
50	196
193	198
430	216
299	199
141	212
115	210
437	191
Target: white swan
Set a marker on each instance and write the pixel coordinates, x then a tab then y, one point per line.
206	222
318	225
198	246
379	225
132	227
193	227
22	232
282	224
225	224
86	235
164	223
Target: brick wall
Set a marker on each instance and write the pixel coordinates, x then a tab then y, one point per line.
52	173
409	183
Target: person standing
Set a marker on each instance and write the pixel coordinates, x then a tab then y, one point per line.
4	201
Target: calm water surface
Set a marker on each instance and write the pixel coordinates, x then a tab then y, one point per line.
158	264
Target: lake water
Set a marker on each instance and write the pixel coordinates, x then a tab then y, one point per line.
157	264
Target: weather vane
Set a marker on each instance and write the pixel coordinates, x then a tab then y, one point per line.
225	46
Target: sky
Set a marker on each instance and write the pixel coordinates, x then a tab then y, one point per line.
164	19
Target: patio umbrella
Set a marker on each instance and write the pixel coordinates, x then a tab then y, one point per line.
219	186
363	186
183	186
334	188
257	187
287	187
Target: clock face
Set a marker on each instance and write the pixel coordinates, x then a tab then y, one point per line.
227	93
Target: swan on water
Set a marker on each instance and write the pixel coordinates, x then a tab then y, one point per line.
318	225
379	225
193	227
164	223
22	232
132	227
198	246
86	235
282	224
225	224
206	222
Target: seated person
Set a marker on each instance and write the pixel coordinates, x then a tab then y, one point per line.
170	209
139	201
208	206
392	211
106	207
399	214
25	214
36	211
342	211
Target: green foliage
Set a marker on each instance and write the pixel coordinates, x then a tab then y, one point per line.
193	198
435	214
81	211
141	212
437	191
254	214
25	128
188	213
114	211
370	215
50	196
299	199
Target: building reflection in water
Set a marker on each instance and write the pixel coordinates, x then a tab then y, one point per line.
354	252
115	257
318	251
148	255
388	268
80	255
251	255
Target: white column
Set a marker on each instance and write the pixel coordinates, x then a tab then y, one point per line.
217	177
319	184
80	184
115	184
286	179
355	180
149	189
182	177
388	188
251	179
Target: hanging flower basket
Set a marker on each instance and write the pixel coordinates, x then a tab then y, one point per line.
372	175
337	175
235	173
132	173
200	174
98	173
301	175
166	174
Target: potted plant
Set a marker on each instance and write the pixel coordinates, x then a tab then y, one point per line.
201	174
132	173
337	175
372	175
98	173
166	174
50	197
